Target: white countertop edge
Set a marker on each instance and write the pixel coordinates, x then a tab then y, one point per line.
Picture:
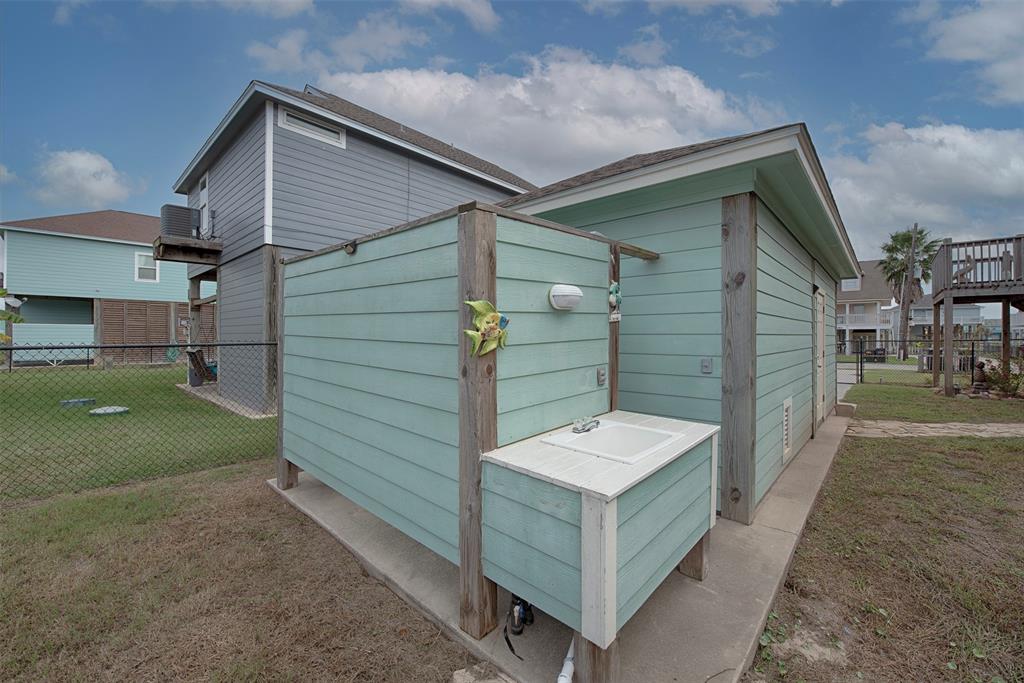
644	469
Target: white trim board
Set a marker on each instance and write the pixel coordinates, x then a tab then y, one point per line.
260	89
268	174
599	522
773	143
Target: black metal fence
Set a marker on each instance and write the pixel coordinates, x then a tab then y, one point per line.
80	417
879	362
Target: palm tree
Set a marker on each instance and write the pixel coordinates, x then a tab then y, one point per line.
894	267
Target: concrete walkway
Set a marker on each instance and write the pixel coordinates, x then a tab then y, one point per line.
881	429
687	630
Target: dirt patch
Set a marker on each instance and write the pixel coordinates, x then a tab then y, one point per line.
911	567
224	582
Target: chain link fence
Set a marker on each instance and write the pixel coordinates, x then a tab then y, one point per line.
868	361
81	417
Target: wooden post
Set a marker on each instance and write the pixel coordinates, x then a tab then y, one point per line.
1005	336
613	336
947	342
936	342
193	311
287	472
478	418
695	563
593	664
739	360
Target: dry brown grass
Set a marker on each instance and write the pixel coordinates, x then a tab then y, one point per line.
911	568
206	576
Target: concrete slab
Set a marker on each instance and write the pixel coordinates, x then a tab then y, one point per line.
687	631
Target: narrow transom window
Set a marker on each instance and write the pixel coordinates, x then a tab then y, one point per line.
851	285
146	267
314	129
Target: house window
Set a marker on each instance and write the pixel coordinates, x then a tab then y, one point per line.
205	229
851	285
146	267
312	128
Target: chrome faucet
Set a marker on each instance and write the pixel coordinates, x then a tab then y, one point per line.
584	424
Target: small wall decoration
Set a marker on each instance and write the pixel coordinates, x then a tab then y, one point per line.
490	327
614	301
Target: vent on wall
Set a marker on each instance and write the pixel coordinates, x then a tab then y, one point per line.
787	425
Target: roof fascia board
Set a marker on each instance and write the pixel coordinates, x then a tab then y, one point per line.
712	159
54	233
256	89
789	139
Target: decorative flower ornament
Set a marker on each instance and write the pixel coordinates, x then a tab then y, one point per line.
490	327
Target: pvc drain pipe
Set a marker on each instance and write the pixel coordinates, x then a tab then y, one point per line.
568	665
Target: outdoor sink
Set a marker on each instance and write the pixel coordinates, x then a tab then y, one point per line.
619	441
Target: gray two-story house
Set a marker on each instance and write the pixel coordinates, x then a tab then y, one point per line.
288	171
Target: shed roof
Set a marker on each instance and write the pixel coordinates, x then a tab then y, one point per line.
873	286
107	224
630	163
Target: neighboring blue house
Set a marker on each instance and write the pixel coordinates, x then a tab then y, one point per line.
90	277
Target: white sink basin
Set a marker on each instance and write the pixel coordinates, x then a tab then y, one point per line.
615	440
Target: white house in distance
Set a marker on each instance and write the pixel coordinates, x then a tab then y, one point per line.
865	309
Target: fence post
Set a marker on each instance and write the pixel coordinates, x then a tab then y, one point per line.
860	361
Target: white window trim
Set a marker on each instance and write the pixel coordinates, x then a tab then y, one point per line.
856	287
282	120
204	206
156	263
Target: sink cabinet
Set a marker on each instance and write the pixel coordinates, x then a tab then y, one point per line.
587	539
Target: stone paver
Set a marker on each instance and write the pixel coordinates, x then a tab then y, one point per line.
881	429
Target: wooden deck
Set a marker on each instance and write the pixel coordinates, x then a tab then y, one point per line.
980	271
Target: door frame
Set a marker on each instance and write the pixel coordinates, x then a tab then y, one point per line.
818	362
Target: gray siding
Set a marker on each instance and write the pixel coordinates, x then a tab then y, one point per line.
324	194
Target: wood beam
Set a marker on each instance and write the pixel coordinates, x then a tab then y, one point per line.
947	343
478	420
186	250
193	312
695	563
1006	333
613	335
594	664
205	300
287	471
739	359
936	342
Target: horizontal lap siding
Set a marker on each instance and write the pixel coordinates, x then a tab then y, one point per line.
659	521
370	383
531	541
671	308
236	184
784	339
33	334
827	285
547	375
325	194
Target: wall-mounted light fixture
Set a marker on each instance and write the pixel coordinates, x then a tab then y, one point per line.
565	297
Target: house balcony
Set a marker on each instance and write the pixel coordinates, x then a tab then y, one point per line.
187	250
980	271
858	320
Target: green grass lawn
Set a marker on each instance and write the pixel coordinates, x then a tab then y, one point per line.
206	576
51	449
910	568
912	404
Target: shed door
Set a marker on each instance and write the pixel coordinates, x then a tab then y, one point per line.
819	355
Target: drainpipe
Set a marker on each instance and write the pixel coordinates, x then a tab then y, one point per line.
568	665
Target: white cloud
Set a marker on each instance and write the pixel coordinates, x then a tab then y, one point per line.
75	177
278	9
732	38
565	113
958	182
753	8
649	48
288	53
377	38
479	13
987	34
6	175
64	11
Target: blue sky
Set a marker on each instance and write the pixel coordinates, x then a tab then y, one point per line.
917	110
